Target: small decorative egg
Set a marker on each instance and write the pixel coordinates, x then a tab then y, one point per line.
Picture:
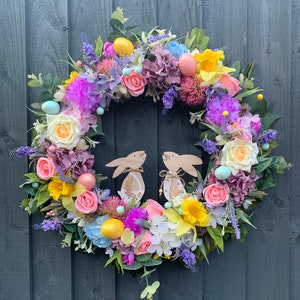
138	69
50	107
265	146
35	185
187	64
120	209
100	111
167	205
126	71
179	210
222	172
87	180
123	46
112	228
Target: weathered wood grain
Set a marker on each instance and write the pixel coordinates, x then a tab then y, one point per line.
14	234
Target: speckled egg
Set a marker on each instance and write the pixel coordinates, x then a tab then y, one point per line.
112	228
222	172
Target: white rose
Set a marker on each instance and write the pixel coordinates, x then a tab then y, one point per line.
239	155
63	130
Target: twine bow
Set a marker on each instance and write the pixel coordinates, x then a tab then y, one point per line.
166	174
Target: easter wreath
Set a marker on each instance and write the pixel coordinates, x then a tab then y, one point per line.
234	128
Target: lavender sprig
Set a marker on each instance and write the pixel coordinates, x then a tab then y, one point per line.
233	219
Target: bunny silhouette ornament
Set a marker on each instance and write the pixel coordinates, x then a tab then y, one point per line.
133	184
173	185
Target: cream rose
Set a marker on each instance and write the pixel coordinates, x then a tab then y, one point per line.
63	130
239	155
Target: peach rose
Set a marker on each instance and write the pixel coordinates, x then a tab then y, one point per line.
231	84
216	194
45	168
87	202
153	208
135	83
143	242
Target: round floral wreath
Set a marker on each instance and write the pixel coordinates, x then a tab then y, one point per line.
235	131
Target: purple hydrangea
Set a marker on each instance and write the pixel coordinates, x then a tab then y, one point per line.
135	219
25	151
220	104
176	49
163	71
266	137
88	50
77	162
209	146
82	94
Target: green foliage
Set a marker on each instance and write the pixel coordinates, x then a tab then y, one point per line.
216	235
99	46
197	39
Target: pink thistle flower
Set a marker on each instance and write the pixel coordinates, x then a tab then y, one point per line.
104	66
109	207
191	92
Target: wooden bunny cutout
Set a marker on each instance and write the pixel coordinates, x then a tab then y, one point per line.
173	184
133	184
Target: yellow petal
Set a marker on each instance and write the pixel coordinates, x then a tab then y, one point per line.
183	227
172	215
207	76
78	190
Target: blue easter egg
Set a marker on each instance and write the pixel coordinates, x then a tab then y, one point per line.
120	209
126	71
168	205
50	107
265	146
222	172
100	111
138	69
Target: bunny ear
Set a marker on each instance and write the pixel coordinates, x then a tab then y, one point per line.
120	163
187	162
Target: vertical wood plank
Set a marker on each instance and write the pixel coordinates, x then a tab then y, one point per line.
268	43
226	24
14	234
136	129
47	45
178	135
294	143
90	279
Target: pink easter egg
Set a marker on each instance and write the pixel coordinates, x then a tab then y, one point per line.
187	64
87	180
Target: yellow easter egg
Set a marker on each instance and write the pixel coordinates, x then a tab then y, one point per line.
112	228
123	46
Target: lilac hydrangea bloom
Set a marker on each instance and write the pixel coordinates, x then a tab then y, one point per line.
266	137
93	232
218	105
25	151
49	225
187	256
168	99
209	146
88	50
135	220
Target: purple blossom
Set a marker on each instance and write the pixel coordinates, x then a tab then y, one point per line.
168	99
209	146
82	94
220	104
187	256
49	225
163	71
156	38
88	50
77	162
266	137
25	151
233	220
135	219
176	49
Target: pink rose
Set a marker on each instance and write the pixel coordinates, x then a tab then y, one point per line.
135	83
143	242
153	208
216	194
255	123
45	168
87	202
231	84
108	49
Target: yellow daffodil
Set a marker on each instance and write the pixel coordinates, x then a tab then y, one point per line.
193	214
59	189
210	66
73	75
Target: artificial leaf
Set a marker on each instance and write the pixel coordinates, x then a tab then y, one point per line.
263	164
268	119
35	178
42	195
216	236
152	262
99	46
68	204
